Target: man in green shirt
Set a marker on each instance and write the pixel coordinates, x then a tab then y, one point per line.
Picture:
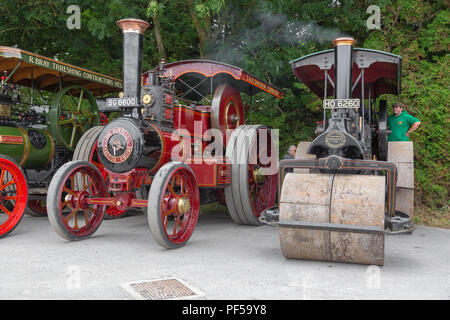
401	123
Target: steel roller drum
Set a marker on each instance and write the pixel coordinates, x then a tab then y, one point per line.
333	217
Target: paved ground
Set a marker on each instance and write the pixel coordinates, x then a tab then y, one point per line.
222	261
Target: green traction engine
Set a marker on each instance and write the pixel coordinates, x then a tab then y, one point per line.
45	107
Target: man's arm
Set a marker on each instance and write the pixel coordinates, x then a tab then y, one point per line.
413	128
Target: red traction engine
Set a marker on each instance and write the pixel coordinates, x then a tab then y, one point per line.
182	137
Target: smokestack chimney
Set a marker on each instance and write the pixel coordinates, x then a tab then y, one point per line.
343	67
133	33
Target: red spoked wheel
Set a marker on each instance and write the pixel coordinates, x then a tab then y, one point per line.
173	205
253	185
36	208
13	195
103	119
69	212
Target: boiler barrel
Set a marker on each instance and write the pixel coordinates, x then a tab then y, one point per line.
333	217
32	148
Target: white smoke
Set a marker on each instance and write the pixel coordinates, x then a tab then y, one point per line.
270	28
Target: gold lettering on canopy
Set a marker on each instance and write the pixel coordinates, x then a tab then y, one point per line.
63	68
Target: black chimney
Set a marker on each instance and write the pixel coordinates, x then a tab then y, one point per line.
133	33
343	67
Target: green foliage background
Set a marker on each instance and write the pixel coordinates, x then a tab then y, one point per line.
262	37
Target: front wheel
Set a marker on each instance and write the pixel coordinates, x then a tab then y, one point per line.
69	212
13	195
173	205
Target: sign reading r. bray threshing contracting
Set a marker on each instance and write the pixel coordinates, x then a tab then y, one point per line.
67	69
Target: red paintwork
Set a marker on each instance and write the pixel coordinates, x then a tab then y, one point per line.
211	172
383	76
194	121
168	140
13	192
246	82
127	181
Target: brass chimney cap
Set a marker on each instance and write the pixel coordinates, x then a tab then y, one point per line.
133	25
343	40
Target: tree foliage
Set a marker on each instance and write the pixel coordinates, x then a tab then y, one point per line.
262	37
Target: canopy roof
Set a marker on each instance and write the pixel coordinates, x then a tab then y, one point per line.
193	76
382	72
48	73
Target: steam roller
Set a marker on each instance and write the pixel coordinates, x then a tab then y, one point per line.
339	200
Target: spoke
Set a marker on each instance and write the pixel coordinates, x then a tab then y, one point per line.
65	203
2	177
176	224
7	185
69	191
5	210
68	104
74	104
72	138
88	186
65	121
181	185
86	216
75	219
171	190
166	214
71	214
90	210
87	115
181	223
80	100
10	198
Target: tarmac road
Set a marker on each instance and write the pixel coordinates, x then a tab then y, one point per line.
221	261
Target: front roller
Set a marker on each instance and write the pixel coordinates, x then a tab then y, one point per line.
333	217
173	205
13	195
69	211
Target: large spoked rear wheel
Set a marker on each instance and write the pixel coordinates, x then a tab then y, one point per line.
73	111
13	195
253	175
173	205
69	212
